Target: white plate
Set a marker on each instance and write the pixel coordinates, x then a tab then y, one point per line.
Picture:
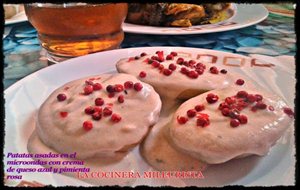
245	15
20	17
24	98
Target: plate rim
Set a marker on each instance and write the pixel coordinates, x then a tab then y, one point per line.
21	81
158	30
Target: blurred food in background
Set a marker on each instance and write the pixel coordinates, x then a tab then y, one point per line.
176	14
11	10
284	9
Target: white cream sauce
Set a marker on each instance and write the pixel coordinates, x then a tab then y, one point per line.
219	142
139	111
177	85
158	150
